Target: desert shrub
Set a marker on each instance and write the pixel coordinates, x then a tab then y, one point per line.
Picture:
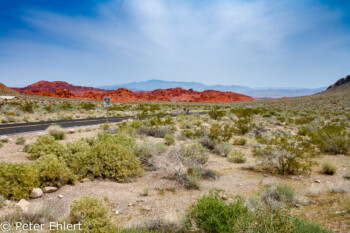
277	195
192	178
27	107
53	171
216	114
243	125
2	199
187	133
65	106
220	133
304	131
333	139
240	141
211	214
147	150
109	160
303	226
237	157
20	141
1	144
169	140
75	155
193	155
46	145
288	154
347	175
56	131
121	138
105	126
50	107
223	149
17	180
93	215
329	168
208	143
158	132
87	106
304	120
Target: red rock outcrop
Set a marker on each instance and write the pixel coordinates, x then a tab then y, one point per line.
52	86
124	95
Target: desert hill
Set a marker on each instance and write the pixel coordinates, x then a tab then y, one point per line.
66	90
53	86
4	90
340	85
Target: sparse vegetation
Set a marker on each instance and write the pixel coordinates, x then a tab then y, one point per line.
329	168
56	131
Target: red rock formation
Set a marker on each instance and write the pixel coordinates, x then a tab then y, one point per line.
52	86
125	95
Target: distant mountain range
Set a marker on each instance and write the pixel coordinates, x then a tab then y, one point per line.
153	84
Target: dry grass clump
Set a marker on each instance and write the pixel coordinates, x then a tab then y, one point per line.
56	131
329	168
237	157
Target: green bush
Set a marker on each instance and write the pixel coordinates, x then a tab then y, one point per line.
237	157
286	153
329	168
109	160
28	107
211	214
278	193
243	125
333	139
53	171
193	155
1	144
93	215
20	141
46	145
223	149
216	114
121	138
87	106
148	149
169	140
56	131
17	180
240	141
74	158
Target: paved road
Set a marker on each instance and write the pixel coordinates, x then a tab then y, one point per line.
7	129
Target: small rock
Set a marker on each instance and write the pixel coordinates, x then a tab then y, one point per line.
23	205
224	197
317	181
7	203
4	138
129	204
71	131
49	189
298	206
240	184
85	180
37	192
338	212
147	208
117	212
60	196
265	175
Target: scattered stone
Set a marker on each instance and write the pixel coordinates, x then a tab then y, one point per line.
49	189
240	184
317	181
298	206
224	197
71	131
22	205
85	180
265	175
4	138
7	203
147	208
117	212
60	196
129	204
37	192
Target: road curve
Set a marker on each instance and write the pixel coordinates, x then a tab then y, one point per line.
8	129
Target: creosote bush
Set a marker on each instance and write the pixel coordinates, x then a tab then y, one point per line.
93	215
169	140
237	157
223	149
20	141
17	180
46	145
240	141
53	171
277	195
110	160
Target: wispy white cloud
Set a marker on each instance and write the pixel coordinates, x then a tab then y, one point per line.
256	43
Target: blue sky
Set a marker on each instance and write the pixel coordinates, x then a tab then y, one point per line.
256	43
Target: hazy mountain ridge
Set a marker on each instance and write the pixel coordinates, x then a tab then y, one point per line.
153	84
